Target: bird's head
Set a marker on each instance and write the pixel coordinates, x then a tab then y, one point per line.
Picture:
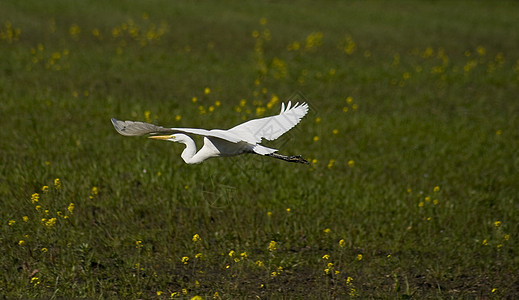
178	137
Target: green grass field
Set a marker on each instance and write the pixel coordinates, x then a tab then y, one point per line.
412	136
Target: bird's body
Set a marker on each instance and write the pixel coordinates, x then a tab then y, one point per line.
243	138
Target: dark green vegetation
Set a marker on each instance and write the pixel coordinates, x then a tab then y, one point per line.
413	137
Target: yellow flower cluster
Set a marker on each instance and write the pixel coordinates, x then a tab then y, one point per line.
272	246
9	34
348	45
144	34
196	238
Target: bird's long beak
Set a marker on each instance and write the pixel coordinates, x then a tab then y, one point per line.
161	137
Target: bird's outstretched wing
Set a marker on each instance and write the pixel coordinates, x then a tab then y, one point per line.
134	128
252	131
271	128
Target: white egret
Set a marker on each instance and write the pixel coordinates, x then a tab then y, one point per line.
243	138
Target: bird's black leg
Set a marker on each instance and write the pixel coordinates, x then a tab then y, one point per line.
292	158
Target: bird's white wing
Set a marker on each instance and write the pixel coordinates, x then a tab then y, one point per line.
134	128
271	128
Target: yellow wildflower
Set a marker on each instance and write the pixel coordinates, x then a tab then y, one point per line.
138	244
507	237
197	298
327	230
196	238
35	281
45	188
485	242
184	291
436	189
272	246
194	99
231	253
243	254
57	183
342	243
497	223
184	260
198	255
70	208
25	218
74	30
421	204
359	256
21	242
288	209
147	116
259	263
159	293
35	197
260	110
335	131
178	117
207	91
50	222
351	163
11	222
316	138
44	250
326	256
294	46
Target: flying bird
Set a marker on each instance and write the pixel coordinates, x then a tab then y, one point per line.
243	138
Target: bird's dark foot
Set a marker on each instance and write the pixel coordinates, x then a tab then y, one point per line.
298	159
292	158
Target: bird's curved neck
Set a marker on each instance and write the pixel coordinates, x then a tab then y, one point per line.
189	152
